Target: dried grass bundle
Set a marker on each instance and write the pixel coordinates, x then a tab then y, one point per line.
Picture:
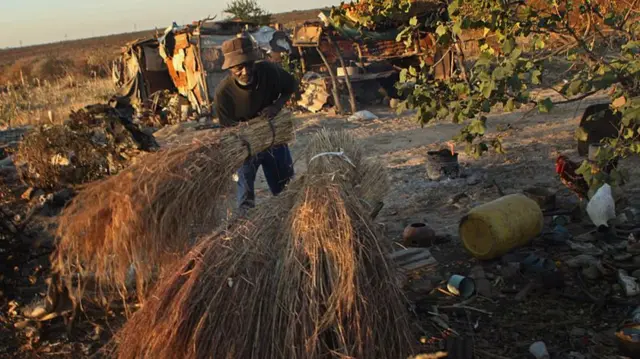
304	276
144	216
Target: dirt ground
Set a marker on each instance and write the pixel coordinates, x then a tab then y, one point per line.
570	322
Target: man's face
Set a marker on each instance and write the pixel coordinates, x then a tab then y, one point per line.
243	73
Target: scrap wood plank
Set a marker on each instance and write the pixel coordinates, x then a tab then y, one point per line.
411	259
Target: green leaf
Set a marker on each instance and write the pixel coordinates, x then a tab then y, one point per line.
402	34
453	8
545	105
497	146
412	71
509	106
486	106
457	28
403	75
478	126
413	21
632	46
584	169
441	30
498	74
631	116
443	113
628	133
574	87
508	45
484	59
581	134
535	77
515	54
610	19
487	89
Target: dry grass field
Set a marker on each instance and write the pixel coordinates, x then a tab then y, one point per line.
41	83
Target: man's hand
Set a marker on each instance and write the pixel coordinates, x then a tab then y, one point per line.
270	111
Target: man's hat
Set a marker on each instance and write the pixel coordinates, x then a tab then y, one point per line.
238	51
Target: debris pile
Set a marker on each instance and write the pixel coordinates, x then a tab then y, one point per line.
163	108
95	142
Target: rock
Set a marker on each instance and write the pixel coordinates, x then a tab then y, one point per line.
553	280
582	260
586	248
474	179
585	237
608	249
619	245
591	272
623	257
578	332
629	284
636	274
483	285
510	270
6	162
63	196
576	355
422	286
633	248
636	260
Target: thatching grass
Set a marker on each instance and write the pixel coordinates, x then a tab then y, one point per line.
303	276
145	216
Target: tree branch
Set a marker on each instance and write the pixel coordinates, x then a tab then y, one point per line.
579	98
626	17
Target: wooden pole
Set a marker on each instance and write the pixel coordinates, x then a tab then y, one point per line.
334	82
303	64
360	59
347	79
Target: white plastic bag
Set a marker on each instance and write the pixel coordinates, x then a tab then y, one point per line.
602	208
363	115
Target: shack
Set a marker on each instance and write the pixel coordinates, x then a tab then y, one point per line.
140	71
187	60
365	62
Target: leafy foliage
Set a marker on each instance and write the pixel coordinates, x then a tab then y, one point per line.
294	67
248	10
517	39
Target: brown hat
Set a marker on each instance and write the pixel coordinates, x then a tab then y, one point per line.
238	51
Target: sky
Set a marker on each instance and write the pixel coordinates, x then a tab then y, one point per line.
30	22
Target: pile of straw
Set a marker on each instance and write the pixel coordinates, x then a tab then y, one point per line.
145	216
303	276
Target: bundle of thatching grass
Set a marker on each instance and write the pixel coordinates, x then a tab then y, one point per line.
144	217
303	276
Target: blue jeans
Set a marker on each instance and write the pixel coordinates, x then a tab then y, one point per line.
277	166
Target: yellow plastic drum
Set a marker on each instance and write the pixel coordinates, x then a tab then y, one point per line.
493	229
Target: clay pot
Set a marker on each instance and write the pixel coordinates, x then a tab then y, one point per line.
418	235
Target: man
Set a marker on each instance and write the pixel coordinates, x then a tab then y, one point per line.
254	88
